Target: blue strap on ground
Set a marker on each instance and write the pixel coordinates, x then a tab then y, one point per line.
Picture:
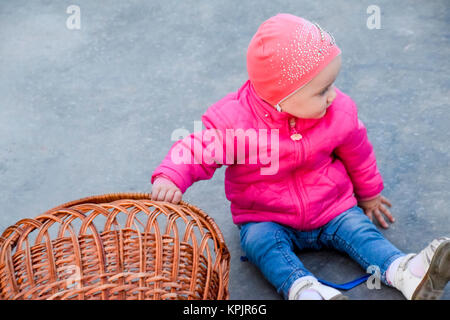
344	286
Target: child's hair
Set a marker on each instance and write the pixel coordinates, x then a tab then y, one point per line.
285	54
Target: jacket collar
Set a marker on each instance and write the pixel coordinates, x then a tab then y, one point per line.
265	111
268	113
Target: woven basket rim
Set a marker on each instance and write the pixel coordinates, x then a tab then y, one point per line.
110	197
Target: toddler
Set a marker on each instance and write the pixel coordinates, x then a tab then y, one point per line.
324	189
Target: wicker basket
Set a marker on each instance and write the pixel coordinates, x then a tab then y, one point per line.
115	246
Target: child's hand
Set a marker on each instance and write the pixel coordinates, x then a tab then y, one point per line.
165	190
374	207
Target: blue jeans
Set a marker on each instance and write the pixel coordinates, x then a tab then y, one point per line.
270	246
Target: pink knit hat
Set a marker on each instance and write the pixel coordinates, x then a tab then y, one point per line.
285	54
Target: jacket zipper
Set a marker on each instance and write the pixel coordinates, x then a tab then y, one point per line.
300	157
301	189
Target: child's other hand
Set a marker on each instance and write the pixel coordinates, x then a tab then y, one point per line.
375	207
165	190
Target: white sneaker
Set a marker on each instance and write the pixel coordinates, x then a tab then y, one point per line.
436	259
308	282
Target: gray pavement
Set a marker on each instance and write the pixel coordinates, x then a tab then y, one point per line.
91	111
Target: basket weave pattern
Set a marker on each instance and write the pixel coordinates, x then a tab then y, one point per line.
115	246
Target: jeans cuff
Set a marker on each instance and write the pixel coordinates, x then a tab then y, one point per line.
287	284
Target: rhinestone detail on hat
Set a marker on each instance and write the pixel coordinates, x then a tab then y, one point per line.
332	42
307	42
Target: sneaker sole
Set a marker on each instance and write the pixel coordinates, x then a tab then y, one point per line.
433	283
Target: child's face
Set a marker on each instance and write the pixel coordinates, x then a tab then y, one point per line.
312	101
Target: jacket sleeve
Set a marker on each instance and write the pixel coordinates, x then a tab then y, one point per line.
358	156
195	157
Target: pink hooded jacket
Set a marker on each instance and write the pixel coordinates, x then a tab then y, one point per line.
315	178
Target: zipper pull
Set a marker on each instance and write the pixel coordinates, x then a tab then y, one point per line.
295	136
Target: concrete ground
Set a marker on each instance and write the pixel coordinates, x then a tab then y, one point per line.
91	111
